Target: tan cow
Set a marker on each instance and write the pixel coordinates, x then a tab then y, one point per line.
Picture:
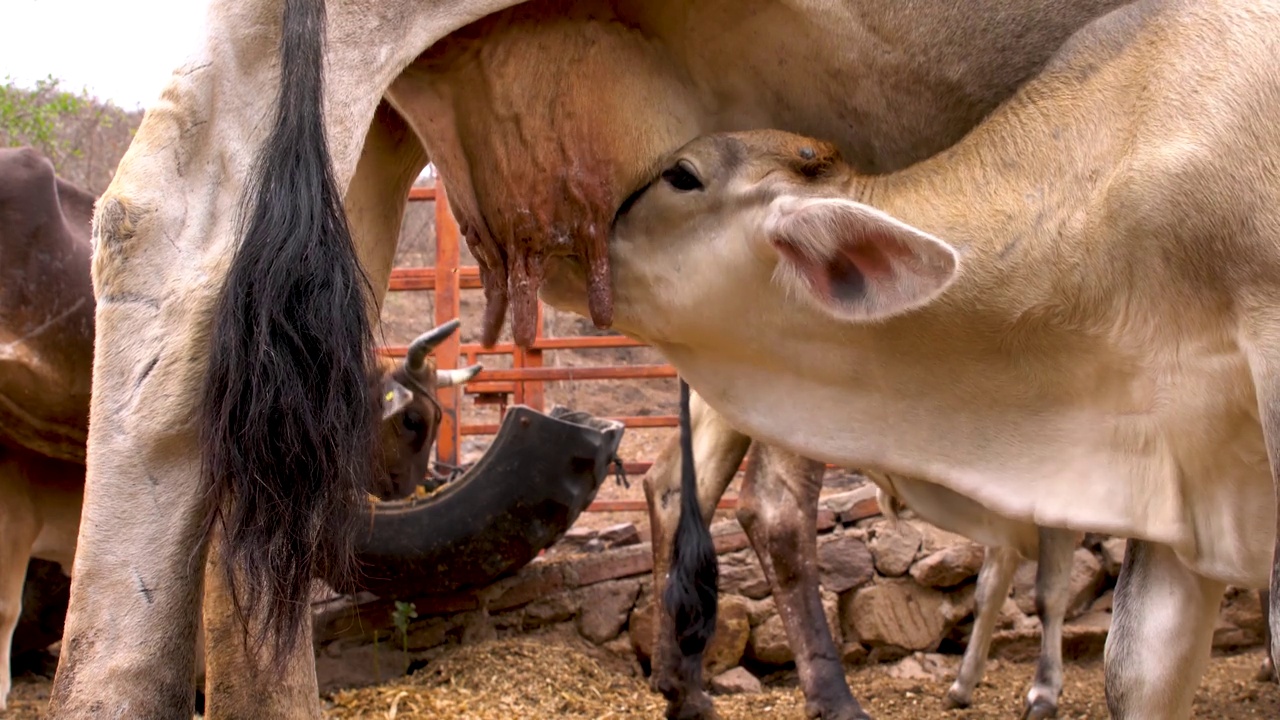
233	360
1071	317
46	350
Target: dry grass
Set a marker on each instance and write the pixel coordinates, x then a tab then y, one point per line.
559	677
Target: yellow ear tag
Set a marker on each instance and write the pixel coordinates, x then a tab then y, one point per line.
390	394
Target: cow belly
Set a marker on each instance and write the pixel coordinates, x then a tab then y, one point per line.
1192	475
956	513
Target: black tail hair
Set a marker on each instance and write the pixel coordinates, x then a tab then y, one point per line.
287	416
690	595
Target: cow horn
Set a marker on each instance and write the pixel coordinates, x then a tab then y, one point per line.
426	342
449	378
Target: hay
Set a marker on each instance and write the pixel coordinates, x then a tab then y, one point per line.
541	677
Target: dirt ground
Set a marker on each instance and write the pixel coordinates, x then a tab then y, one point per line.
557	677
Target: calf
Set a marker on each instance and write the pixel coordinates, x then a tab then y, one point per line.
1071	317
1006	540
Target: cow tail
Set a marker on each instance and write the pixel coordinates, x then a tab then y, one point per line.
690	595
287	414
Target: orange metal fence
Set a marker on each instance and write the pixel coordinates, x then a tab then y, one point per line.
523	382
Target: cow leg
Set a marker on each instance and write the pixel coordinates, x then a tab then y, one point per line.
718	451
1161	635
994	579
779	511
1053	592
165	233
1267	672
18	530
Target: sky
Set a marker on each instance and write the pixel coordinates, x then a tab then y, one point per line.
120	50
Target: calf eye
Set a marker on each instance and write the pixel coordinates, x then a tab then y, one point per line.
682	177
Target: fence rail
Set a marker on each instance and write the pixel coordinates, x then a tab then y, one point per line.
523	382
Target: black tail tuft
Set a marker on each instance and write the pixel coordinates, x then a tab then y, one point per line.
288	416
690	596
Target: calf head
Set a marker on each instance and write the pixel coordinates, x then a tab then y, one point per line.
411	413
739	213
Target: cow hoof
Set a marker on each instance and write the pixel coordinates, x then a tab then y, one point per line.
955	700
843	712
1041	709
694	708
1266	673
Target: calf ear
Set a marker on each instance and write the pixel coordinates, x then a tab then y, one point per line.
395	397
857	262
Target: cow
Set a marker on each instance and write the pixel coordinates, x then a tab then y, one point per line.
46	354
248	231
1070	316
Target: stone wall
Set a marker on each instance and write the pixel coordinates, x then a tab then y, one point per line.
889	589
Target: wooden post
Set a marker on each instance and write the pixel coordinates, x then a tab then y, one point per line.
447	308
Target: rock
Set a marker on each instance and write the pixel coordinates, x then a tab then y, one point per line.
354	667
768	643
1011	616
949	566
1113	555
844	562
1240	620
620	535
574	539
605	609
831	609
551	609
740	573
760	610
934	538
1024	587
1085	637
1087	577
894	547
737	681
843	504
959	604
853	653
430	632
620	646
921	666
594	545
898	613
1021	645
726	646
730	641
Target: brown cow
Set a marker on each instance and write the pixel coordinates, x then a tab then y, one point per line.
46	351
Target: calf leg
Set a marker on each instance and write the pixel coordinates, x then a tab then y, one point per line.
1266	673
18	530
718	451
994	580
1161	634
779	511
1053	592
